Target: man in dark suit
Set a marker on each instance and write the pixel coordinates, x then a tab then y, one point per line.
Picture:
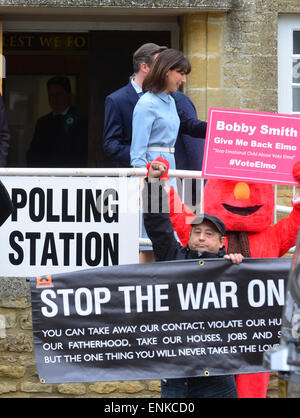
119	106
117	131
6	205
188	150
4	134
61	137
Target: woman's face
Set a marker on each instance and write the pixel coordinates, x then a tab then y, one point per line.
174	80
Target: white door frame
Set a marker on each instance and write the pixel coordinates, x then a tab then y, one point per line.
69	26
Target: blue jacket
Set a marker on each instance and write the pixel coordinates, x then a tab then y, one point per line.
117	132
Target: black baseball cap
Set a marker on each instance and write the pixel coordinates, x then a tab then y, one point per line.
213	219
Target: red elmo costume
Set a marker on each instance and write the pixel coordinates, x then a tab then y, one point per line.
247	210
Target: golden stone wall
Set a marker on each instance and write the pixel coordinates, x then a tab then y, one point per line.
202	45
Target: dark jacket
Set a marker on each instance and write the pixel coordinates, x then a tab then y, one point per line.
59	142
188	149
4	134
117	131
160	229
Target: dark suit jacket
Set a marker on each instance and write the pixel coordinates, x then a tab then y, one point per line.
4	134
117	132
61	143
188	150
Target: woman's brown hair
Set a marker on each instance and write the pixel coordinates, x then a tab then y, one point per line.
170	59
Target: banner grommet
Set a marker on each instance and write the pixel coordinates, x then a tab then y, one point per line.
201	262
206	373
42	381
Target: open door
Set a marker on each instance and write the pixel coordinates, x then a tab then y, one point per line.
29	65
97	63
110	69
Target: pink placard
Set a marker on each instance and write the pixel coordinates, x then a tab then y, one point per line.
251	146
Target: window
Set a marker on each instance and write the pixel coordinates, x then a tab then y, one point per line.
296	72
289	64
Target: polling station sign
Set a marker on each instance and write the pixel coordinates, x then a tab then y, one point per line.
68	223
251	146
157	320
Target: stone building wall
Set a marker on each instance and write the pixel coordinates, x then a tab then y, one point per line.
234	57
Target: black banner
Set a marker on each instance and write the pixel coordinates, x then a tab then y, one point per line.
158	320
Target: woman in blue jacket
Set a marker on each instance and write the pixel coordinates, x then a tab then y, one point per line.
155	123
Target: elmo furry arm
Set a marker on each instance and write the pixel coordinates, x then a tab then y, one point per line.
180	216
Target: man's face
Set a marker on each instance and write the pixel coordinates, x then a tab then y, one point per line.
205	237
58	98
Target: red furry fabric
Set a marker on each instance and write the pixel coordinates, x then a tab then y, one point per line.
296	171
265	240
218	193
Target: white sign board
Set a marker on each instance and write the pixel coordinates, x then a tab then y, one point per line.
63	224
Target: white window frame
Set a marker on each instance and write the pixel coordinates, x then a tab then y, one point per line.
286	25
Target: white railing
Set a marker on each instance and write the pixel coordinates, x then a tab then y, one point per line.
123	172
90	172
